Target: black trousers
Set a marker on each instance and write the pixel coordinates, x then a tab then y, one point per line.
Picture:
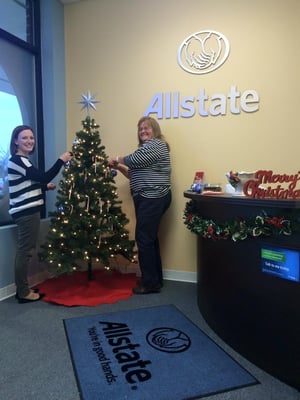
148	216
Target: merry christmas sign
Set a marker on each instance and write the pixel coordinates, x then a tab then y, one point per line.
267	184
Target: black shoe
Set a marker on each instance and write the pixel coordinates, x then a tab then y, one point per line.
159	285
23	300
145	290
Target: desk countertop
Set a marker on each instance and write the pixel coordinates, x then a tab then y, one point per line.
230	199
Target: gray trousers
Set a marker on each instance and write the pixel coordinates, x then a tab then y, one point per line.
27	234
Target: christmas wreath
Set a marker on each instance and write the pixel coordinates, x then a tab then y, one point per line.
239	228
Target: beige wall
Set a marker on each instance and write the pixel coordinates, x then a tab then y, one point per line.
124	51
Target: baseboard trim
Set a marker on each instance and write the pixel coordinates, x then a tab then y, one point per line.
7	291
169	275
181	276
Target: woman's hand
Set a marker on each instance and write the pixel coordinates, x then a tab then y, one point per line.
66	156
118	163
113	162
51	186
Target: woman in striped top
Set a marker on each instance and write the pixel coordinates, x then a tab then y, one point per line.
149	171
26	199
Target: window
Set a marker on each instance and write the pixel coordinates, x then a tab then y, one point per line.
17	18
10	116
20	88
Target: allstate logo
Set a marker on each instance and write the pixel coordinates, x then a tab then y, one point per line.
169	340
203	52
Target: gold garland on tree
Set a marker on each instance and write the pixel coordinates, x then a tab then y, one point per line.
239	228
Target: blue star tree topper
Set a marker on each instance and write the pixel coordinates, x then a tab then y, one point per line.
88	101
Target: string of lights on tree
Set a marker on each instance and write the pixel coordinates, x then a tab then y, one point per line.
88	223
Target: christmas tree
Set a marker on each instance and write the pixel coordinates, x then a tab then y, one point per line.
88	223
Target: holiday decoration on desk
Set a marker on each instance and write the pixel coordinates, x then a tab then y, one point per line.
198	182
238	179
88	223
265	184
239	228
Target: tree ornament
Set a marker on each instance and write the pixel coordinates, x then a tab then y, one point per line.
113	173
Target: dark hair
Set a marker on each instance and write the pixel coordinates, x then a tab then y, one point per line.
14	136
155	127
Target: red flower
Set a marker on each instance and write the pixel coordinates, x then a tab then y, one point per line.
210	230
275	221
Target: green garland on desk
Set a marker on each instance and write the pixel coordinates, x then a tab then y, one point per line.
238	228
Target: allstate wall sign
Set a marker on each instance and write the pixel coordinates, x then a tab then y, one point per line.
202	53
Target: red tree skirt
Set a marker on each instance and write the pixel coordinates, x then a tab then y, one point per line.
107	287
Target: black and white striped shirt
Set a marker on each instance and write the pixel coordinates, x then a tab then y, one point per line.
26	185
150	169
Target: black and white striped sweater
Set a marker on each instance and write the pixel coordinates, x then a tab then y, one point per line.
26	185
150	169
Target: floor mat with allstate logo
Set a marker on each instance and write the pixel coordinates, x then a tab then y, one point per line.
149	353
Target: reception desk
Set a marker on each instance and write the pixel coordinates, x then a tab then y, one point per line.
256	313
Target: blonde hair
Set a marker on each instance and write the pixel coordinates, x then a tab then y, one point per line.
155	128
